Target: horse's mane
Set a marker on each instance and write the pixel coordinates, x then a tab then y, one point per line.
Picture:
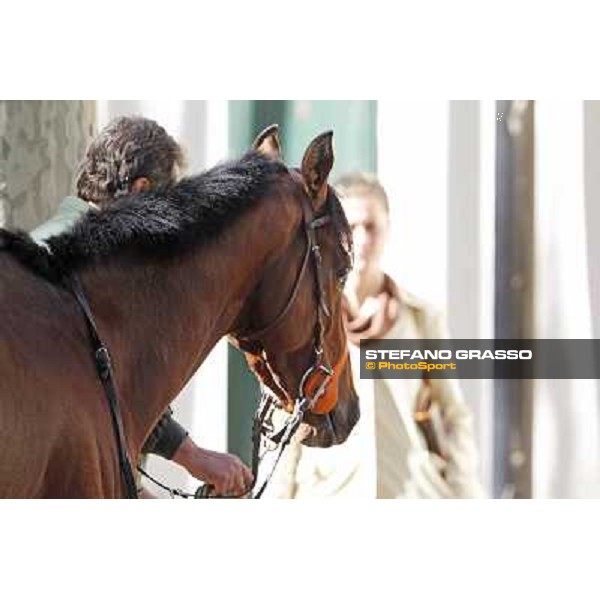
190	212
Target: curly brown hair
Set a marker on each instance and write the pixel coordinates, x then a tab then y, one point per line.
126	149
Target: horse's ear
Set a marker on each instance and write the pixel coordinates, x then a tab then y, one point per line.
316	166
267	142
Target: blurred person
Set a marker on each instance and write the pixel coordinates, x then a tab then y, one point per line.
132	155
387	455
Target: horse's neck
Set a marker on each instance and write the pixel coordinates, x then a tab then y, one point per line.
160	321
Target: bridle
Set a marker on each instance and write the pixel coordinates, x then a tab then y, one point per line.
317	377
313	383
249	342
312	388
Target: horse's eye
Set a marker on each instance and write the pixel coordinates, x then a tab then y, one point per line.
342	275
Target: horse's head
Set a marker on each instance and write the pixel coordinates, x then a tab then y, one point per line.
291	328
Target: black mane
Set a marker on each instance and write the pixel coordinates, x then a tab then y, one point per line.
193	211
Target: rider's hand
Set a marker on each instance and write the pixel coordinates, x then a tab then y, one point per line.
225	472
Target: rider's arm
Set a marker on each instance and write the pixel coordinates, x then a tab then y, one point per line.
225	472
166	438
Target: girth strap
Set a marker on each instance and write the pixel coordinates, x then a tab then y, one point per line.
105	373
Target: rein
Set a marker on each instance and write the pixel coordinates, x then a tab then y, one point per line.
106	376
282	438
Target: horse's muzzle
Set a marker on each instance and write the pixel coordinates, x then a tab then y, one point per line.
333	428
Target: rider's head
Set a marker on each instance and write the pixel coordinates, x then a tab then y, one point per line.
131	154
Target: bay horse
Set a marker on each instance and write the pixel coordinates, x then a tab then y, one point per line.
167	274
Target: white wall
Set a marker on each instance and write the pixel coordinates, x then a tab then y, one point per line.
566	427
435	159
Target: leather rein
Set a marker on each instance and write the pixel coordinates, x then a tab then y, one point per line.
312	387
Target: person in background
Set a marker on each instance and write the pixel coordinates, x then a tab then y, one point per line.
132	155
388	455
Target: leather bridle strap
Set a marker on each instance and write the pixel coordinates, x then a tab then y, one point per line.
255	335
247	341
105	373
311	226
